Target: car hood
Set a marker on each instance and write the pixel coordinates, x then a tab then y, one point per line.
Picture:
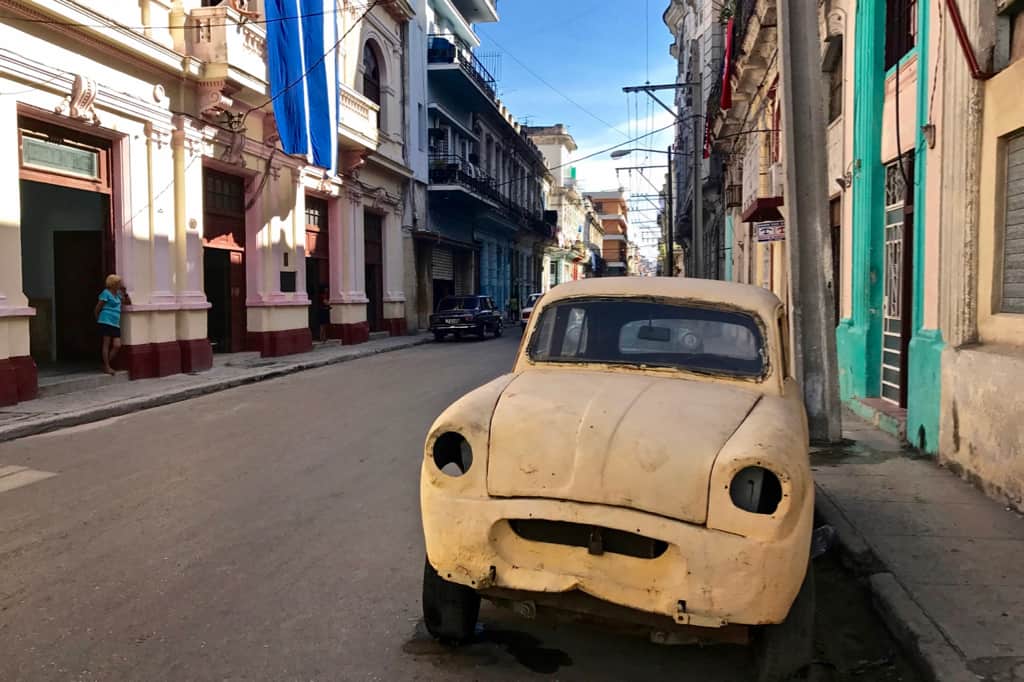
616	438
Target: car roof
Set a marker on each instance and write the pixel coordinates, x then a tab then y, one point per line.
745	296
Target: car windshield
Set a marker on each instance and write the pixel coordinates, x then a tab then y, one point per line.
533	300
459	303
648	333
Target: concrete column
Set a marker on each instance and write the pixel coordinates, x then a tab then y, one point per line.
161	214
190	319
17	369
394	271
348	270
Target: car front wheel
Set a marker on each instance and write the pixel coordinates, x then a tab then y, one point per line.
783	650
497	329
450	610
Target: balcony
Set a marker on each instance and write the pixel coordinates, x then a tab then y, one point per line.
357	120
478	11
451	61
451	172
231	49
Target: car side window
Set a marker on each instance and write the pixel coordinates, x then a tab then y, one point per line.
574	343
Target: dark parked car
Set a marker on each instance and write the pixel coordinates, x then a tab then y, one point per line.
466	314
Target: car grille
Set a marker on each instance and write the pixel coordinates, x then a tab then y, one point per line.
596	539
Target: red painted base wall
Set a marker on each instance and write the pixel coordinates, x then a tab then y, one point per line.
196	355
350	334
19	380
395	326
275	344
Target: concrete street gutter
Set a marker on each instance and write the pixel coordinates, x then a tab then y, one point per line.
43	424
934	656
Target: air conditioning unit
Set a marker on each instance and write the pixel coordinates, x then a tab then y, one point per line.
776	179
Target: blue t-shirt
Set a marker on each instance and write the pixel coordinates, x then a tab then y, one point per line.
111	312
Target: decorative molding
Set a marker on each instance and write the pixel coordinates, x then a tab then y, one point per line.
836	24
81	103
211	100
159	135
46	77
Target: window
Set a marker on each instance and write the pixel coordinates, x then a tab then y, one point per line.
900	30
371	79
316	213
1013	230
650	334
835	91
422	122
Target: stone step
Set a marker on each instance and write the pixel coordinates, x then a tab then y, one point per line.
62	384
378	335
235	359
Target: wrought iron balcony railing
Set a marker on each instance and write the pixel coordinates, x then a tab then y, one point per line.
443	49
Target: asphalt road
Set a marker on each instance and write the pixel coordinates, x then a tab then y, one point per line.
271	532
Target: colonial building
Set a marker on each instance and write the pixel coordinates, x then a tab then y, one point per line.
142	140
574	253
698	41
484	230
613	209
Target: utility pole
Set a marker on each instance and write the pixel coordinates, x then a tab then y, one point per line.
696	92
697	97
670	258
810	258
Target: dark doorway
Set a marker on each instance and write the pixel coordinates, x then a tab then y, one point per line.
317	264
835	211
224	260
374	250
898	282
78	279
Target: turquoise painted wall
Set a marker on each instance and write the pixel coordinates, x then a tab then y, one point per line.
859	336
925	353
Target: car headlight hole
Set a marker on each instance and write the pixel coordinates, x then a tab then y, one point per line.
756	490
452	454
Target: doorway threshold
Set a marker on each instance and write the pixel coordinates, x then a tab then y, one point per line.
881	413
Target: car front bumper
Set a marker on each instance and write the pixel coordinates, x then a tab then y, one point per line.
467	326
705	578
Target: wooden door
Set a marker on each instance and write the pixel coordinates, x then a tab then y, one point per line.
78	280
374	250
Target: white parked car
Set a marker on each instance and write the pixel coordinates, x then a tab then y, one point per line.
528	308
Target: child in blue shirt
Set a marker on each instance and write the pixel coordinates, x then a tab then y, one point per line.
108	318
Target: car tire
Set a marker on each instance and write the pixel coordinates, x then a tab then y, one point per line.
781	651
450	610
497	329
481	331
438	336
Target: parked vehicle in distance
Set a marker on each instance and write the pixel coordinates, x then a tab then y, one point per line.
645	461
528	308
473	314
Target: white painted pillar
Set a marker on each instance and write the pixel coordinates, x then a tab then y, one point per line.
11	295
161	214
394	270
187	145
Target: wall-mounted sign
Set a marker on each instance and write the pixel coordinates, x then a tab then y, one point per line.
771	231
62	158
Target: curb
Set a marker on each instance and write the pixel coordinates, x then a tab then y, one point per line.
95	414
934	656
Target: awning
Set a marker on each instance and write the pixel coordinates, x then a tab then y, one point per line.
763	209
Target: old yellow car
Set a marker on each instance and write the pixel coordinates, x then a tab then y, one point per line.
645	461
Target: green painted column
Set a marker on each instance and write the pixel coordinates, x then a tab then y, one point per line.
925	353
859	337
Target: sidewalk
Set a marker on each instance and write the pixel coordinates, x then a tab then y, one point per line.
945	563
70	409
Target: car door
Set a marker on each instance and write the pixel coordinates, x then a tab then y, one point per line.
492	312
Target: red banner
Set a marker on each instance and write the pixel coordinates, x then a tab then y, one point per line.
726	101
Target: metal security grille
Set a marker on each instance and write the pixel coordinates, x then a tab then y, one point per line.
442	263
892	305
1013	235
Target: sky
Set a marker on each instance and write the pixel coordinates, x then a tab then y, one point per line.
566	61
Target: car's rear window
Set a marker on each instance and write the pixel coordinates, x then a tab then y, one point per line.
650	333
459	303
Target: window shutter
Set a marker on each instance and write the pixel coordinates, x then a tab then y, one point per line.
1013	242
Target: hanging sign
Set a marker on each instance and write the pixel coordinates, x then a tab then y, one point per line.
771	231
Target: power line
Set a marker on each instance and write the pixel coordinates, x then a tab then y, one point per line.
558	92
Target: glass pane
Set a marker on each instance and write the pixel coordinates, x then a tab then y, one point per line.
66	159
